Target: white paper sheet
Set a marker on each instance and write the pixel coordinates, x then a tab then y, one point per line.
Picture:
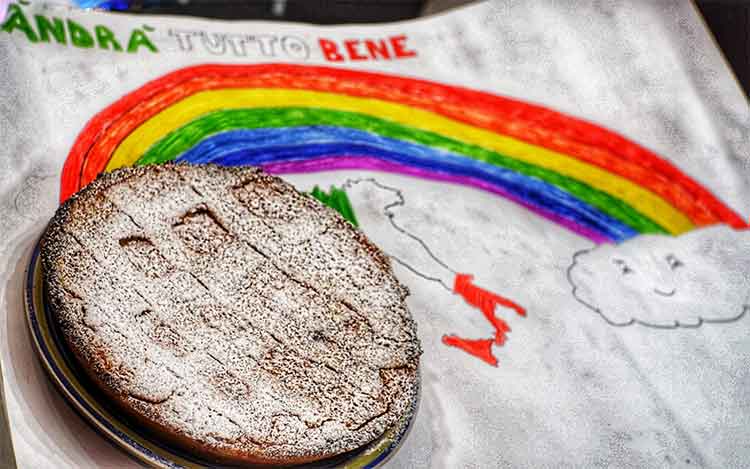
574	387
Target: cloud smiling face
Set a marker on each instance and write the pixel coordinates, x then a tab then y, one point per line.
665	281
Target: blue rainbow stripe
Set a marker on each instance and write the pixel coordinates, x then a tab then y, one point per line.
273	145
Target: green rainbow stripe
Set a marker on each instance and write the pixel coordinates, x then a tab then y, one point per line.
184	138
581	176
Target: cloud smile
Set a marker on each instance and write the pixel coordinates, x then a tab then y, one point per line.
662	293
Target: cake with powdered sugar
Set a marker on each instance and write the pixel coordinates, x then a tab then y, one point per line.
230	314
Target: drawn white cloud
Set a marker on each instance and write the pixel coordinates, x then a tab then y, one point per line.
667	282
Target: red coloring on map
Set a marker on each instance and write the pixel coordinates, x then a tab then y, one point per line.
481	348
486	301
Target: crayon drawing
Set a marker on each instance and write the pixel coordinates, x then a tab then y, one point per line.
303	119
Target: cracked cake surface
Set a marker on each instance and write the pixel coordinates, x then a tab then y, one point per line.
234	316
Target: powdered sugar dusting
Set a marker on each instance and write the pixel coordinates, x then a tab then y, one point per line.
228	309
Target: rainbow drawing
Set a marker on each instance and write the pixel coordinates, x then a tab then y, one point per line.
295	118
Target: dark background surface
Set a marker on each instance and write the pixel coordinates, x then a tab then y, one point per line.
730	23
729	20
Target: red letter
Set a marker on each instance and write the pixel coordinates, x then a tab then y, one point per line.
376	49
399	48
330	51
351	47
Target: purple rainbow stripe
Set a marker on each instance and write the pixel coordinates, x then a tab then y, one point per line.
365	162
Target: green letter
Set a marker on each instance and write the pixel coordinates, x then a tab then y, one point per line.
17	20
105	37
138	38
45	27
79	36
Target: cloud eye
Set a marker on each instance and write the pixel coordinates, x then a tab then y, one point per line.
624	268
674	262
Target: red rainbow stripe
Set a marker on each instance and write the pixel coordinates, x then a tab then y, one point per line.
526	122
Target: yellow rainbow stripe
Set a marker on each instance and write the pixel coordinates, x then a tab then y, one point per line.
192	107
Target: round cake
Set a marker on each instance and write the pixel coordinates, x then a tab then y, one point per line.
231	315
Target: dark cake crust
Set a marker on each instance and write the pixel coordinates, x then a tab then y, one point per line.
241	320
